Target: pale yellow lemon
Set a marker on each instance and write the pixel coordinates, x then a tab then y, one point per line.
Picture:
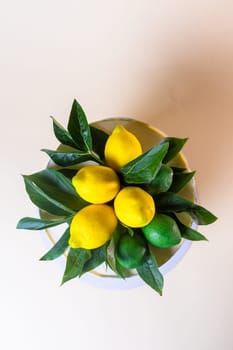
134	207
96	184
92	226
121	147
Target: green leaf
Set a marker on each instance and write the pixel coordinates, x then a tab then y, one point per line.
28	223
58	187
76	260
180	180
130	231
44	201
69	173
68	158
98	256
175	145
62	135
78	128
162	181
178	170
99	138
59	248
150	273
124	229
50	181
121	271
110	258
169	202
144	168
189	233
111	249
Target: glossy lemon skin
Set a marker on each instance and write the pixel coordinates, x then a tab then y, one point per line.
96	184
92	226
121	147
134	207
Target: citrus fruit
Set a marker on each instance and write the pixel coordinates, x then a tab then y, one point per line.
121	147
162	231
92	226
134	207
130	251
96	184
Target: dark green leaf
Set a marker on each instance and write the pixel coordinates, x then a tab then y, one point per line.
111	251
69	173
177	169
76	259
62	135
55	185
58	187
38	224
171	202
99	138
175	145
180	180
111	259
124	229
68	158
130	231
59	248
144	168
162	181
78	128
121	271
98	256
189	233
44	201
150	273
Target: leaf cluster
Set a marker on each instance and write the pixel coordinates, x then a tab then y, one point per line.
52	192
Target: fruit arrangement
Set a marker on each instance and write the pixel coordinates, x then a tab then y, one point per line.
118	202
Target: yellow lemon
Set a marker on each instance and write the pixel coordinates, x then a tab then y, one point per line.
96	183
121	147
92	226
134	207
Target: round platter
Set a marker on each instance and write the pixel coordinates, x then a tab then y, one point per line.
168	258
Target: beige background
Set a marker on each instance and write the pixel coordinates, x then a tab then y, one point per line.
168	63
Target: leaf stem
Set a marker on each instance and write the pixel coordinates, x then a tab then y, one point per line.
96	157
129	229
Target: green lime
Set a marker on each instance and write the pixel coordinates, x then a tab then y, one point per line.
130	250
162	231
